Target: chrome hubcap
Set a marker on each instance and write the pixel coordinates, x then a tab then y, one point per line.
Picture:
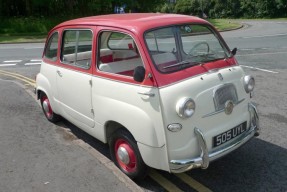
46	106
123	155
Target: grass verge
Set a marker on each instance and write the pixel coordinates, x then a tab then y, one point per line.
225	24
6	38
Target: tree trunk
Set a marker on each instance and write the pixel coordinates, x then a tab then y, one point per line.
28	7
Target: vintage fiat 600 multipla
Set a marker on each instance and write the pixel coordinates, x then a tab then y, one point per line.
163	90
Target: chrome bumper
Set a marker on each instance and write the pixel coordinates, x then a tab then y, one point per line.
178	166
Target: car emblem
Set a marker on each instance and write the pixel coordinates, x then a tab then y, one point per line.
220	76
228	107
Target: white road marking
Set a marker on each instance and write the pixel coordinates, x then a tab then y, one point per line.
32	63
261	54
35	60
259	69
5	65
266	48
33	48
259	36
246	49
12	61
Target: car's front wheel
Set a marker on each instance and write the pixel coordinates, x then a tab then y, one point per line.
47	109
126	155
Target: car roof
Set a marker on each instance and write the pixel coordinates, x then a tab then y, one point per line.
135	22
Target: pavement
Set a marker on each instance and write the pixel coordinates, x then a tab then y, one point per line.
44	157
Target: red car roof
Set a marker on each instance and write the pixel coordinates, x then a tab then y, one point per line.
134	21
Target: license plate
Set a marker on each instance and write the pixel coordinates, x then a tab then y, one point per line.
230	134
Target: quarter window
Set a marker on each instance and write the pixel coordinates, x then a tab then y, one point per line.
52	47
77	48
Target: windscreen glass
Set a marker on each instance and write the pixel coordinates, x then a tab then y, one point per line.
178	47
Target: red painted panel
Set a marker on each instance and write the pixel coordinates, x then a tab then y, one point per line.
127	73
107	59
126	58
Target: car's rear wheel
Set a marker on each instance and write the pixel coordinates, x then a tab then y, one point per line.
126	155
47	109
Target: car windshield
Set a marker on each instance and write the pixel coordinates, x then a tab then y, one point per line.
178	47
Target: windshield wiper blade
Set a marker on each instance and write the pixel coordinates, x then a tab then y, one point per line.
177	64
202	55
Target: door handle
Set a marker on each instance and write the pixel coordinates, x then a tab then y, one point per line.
150	94
59	73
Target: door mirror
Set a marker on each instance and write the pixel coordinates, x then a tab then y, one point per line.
234	51
139	73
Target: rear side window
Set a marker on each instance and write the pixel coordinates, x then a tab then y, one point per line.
52	47
77	48
120	41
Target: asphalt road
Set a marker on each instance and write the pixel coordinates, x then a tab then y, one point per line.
261	164
39	156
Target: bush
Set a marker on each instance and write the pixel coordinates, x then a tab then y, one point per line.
18	25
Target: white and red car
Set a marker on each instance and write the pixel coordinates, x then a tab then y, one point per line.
163	90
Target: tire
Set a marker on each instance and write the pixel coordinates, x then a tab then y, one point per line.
47	109
126	156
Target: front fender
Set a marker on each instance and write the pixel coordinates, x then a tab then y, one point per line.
136	120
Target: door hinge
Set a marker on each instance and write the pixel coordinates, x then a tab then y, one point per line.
91	82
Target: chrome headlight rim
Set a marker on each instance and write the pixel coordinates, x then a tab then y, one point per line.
249	83
185	107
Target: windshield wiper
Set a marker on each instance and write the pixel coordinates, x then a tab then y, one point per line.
206	57
188	62
202	55
177	64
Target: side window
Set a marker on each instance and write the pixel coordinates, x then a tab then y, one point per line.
158	40
77	48
52	47
118	53
120	41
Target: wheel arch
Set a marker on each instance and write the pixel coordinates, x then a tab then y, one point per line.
111	127
44	86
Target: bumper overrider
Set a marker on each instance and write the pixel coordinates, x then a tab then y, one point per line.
178	166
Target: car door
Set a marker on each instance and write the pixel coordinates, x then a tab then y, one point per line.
74	76
117	97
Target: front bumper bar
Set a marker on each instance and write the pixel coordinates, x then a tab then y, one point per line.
178	166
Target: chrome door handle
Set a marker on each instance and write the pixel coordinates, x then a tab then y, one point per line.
59	73
150	94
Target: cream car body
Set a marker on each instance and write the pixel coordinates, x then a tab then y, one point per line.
124	87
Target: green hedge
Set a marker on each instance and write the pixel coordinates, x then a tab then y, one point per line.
31	25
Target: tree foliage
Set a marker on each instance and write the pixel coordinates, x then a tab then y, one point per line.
77	8
72	8
233	9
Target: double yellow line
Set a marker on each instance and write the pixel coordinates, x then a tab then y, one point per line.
171	187
19	77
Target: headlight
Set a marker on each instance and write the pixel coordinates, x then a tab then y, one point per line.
185	107
249	83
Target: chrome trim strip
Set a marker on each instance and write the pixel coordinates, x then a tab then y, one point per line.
150	94
221	110
222	86
203	148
